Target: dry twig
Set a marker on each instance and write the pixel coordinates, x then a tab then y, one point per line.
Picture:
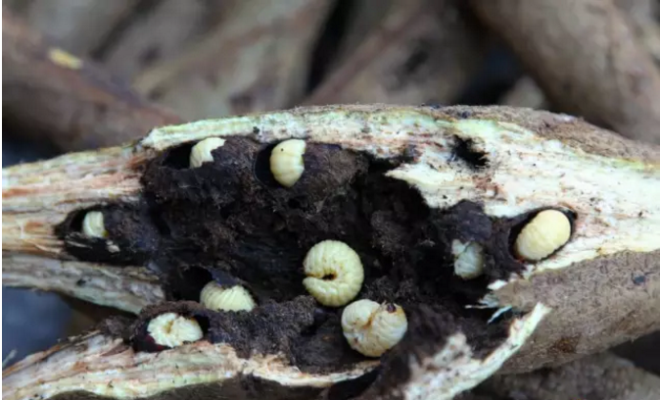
421	52
56	96
80	27
585	56
247	64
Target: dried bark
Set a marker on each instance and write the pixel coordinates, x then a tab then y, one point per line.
127	289
247	64
620	304
80	27
585	57
603	376
421	52
600	289
55	96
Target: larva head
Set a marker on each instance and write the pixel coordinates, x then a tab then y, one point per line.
173	330
201	151
372	329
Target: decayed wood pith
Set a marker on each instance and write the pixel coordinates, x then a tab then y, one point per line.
601	288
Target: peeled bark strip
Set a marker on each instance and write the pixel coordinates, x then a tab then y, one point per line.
456	173
421	52
585	57
603	376
102	364
248	64
58	97
128	289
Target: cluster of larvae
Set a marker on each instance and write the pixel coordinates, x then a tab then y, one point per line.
543	235
334	271
334	276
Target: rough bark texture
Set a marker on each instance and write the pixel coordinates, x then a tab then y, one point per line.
55	96
585	56
127	289
247	64
618	297
602	377
421	52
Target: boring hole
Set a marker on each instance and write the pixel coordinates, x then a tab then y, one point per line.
203	322
74	222
294	204
158	221
179	157
464	150
353	388
77	221
262	167
518	227
188	284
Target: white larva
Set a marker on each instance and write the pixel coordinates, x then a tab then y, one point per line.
201	152
334	273
286	161
173	330
371	328
468	259
219	298
543	235
93	225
